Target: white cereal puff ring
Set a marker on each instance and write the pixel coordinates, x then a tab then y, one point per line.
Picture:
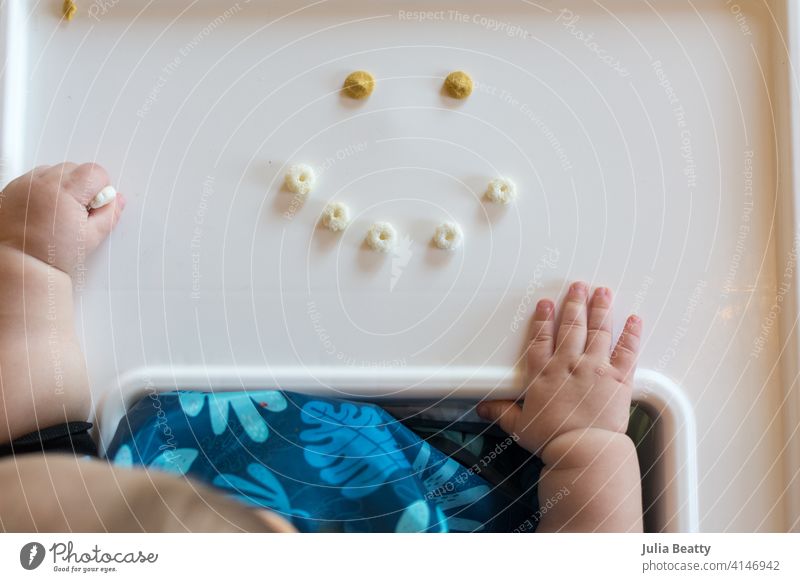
336	216
105	196
382	237
501	191
448	236
300	179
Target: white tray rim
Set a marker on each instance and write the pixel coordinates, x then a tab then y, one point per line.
678	508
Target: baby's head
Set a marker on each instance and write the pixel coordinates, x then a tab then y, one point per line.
89	496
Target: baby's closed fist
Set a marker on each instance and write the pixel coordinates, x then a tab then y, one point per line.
46	213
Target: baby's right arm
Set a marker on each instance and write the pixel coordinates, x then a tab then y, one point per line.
46	229
575	413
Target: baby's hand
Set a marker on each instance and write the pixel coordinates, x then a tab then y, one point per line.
574	381
45	213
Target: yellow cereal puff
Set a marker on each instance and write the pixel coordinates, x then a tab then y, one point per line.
458	85
359	85
69	9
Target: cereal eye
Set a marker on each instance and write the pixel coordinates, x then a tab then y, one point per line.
359	85
458	85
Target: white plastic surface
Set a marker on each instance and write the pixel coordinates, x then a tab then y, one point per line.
627	131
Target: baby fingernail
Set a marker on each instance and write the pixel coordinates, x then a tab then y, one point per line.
544	307
578	289
602	292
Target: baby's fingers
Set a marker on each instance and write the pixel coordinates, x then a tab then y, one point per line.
599	339
85	181
624	356
572	330
540	342
505	413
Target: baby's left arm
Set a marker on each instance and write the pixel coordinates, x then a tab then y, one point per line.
575	413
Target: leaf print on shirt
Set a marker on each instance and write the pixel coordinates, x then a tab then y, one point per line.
267	491
243	405
124	457
417	516
446	496
351	445
175	461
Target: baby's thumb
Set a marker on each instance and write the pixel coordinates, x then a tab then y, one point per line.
503	412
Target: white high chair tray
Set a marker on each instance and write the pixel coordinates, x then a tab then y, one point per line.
649	142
